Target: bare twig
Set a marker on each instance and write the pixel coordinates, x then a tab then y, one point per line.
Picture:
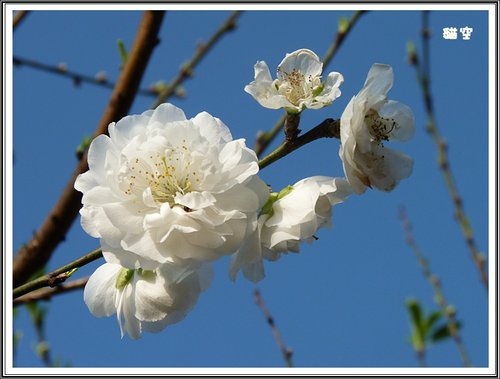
187	69
286	351
18	17
76	77
47	293
423	75
58	276
435	282
265	138
38	251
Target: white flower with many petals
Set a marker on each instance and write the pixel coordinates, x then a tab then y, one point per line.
145	301
162	188
298	84
368	121
289	217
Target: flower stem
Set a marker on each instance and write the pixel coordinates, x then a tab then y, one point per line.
329	128
53	278
292	126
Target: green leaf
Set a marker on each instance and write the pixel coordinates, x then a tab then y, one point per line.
122	50
432	319
443	332
343	25
415	312
83	146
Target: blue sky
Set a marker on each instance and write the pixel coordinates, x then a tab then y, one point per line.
340	302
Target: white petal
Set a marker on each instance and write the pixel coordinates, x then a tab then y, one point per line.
249	255
151	297
167	113
304	61
331	89
404	118
378	81
100	290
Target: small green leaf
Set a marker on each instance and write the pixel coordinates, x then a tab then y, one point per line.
343	25
83	146
443	332
416	315
122	50
42	349
432	319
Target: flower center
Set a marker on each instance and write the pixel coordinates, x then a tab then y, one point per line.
295	86
380	128
164	174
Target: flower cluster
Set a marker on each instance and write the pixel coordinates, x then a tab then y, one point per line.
167	195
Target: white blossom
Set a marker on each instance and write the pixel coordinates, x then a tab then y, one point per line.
145	300
368	121
298	84
289	217
162	188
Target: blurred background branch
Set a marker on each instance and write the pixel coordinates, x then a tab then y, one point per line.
285	351
187	69
99	79
422	68
18	17
447	310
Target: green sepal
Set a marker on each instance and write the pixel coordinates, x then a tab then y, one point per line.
124	277
267	209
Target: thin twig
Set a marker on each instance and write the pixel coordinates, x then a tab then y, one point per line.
47	293
329	128
423	76
265	138
435	282
77	78
286	351
58	276
187	69
37	252
18	17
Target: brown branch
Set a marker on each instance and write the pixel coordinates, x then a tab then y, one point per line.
47	293
286	351
187	69
37	252
18	17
